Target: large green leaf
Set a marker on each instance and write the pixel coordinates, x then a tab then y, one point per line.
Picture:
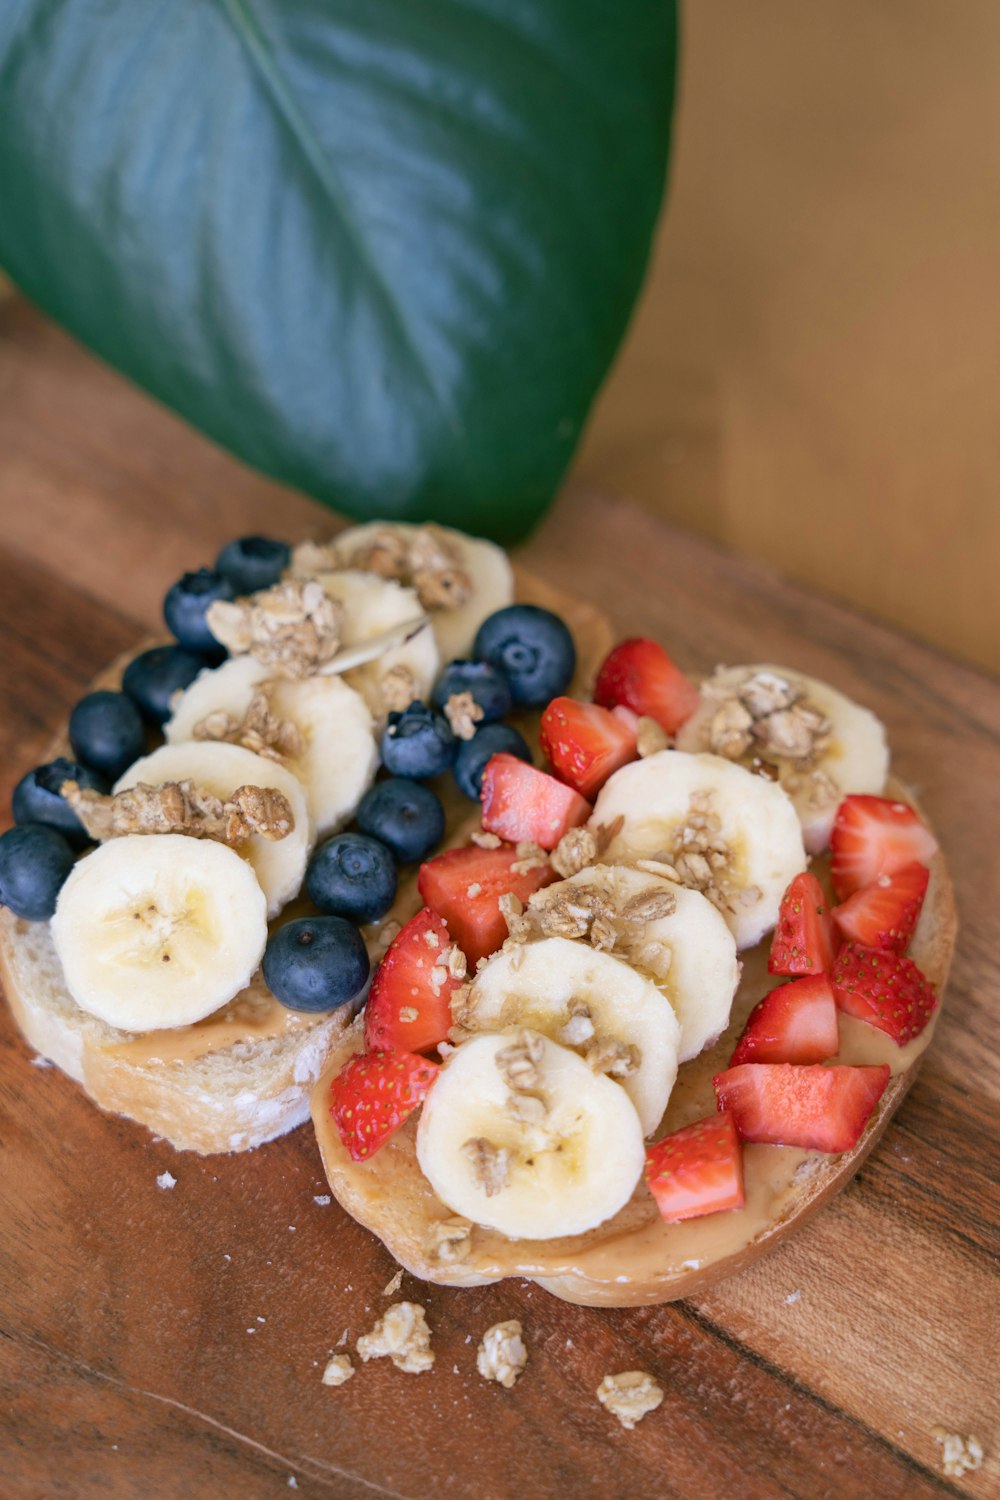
383	249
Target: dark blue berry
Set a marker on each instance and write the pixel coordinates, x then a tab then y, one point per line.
152	678
354	876
532	648
492	739
34	862
489	688
316	963
37	800
417	743
185	605
107	732
253	562
404	814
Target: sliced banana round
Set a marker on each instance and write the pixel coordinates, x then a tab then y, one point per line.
159	930
719	828
519	1134
673	935
336	754
819	743
590	1001
279	865
486	566
372	606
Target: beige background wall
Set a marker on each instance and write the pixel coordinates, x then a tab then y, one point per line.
813	376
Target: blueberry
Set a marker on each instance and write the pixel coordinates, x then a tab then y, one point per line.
405	815
354	876
532	648
185	605
253	562
34	862
470	762
417	743
489	688
316	963
107	732
152	678
37	800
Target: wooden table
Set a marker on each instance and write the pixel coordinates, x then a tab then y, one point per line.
169	1343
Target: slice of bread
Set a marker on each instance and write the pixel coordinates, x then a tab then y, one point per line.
634	1258
240	1095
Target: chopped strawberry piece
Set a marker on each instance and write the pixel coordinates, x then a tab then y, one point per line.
408	1007
585	743
373	1094
640	674
875	836
803	938
523	804
795	1023
464	887
884	915
884	989
697	1170
821	1109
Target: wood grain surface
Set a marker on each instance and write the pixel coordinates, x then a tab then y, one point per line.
170	1343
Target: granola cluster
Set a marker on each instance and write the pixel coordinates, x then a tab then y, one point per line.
401	1335
490	1164
502	1355
591	912
398	689
463	714
451	1240
260	730
629	1396
961	1456
182	807
293	628
425	559
769	718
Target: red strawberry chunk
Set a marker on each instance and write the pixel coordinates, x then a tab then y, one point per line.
373	1094
584	743
409	1004
464	887
697	1170
884	989
821	1109
803	938
640	674
795	1023
875	836
884	915
523	804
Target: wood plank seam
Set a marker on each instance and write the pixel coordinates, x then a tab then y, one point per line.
792	1383
298	1465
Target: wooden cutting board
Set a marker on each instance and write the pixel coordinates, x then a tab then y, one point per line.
169	1342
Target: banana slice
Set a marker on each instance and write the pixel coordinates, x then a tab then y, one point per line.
339	755
487	567
159	930
689	954
731	834
590	1001
373	605
279	865
557	1153
820	744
